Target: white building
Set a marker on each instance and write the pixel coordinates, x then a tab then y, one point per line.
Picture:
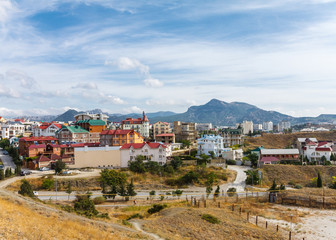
90	116
46	129
156	152
209	143
257	127
247	127
284	125
267	126
315	151
12	129
203	126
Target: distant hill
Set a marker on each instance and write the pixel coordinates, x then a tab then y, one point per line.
217	112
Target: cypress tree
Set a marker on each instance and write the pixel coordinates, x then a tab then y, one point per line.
319	180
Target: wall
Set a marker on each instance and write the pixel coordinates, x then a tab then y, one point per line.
96	157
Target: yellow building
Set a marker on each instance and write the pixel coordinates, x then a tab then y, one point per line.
119	137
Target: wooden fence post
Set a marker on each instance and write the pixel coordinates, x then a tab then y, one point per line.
237	198
205	203
290	235
277	228
218	204
266	224
257	220
240	211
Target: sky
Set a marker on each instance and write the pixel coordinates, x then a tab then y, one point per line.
154	55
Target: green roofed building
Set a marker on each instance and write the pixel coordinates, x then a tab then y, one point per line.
68	134
94	127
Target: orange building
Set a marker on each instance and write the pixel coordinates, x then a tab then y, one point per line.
119	137
94	127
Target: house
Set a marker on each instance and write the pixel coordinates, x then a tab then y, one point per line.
232	137
151	151
257	150
302	142
185	131
46	129
33	146
91	116
315	151
247	127
166	138
160	128
140	125
94	127
73	134
232	154
119	137
12	129
97	157
210	143
268	160
288	155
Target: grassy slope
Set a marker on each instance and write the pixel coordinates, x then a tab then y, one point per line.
284	140
297	174
20	221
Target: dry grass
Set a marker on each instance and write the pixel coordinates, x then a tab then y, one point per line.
18	221
268	140
296	174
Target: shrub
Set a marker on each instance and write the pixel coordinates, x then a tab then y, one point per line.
99	200
48	183
211	219
231	192
136	215
156	208
189	178
230	162
298	186
85	206
26	189
67	208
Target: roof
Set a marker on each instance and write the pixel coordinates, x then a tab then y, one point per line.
116	132
75	129
269	159
55	157
166	135
323	149
43	158
210	137
37	146
257	149
92	122
141	145
304	139
42	138
279	151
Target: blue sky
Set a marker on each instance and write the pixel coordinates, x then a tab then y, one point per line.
129	56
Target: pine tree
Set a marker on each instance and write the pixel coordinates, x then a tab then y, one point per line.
130	189
274	186
26	189
216	194
68	190
2	174
319	180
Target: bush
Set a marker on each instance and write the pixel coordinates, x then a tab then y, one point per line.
231	162
85	206
298	186
211	219
231	192
189	178
26	189
48	183
67	208
136	215
99	200
156	208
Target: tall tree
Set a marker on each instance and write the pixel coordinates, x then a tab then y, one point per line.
68	190
319	180
130	189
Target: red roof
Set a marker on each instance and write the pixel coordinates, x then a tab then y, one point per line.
141	145
42	138
323	149
36	146
116	132
43	159
269	159
55	157
166	135
321	144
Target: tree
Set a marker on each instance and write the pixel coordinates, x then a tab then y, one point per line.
113	182
85	206
252	177
48	183
68	190
204	159
178	193
26	189
319	180
185	143
59	166
130	189
273	187
332	157
323	160
18	170
176	163
209	183
2	174
216	194
254	159
152	194
8	172
212	154
138	165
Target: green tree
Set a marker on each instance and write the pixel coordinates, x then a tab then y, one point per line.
48	183
252	177
253	158
138	165
85	206
212	154
217	191
59	166
319	180
176	163
68	190
130	189
8	172
18	170
26	189
152	194
185	143
2	174
332	157
4	143
114	182
273	187
323	160
204	159
178	193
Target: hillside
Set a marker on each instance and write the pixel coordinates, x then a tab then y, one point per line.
268	140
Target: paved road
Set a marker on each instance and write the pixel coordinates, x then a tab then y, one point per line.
7	161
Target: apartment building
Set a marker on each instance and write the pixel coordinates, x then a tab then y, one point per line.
185	131
160	128
119	137
94	127
140	125
46	129
232	137
73	134
247	127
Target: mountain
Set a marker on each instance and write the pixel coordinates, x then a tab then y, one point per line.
67	116
222	113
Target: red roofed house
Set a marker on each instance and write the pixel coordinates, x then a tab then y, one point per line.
151	151
160	128
28	145
167	138
140	125
119	137
315	151
46	129
268	160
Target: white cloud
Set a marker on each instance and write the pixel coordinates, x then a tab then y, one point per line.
114	100
19	76
6	7
9	92
133	109
87	85
151	82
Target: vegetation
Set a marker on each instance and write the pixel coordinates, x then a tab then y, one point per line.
203	160
217	192
319	180
26	189
68	190
211	219
231	192
85	206
231	162
253	158
252	177
48	183
2	174
99	200
59	166
177	193
156	208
